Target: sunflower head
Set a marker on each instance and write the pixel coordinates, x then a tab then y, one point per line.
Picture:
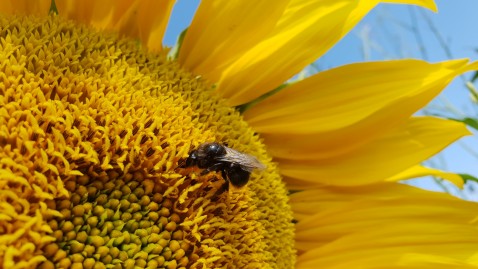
94	133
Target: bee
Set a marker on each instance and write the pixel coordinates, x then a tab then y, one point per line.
235	167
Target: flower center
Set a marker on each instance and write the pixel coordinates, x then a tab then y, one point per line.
94	134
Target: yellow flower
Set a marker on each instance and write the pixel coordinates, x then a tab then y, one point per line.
95	130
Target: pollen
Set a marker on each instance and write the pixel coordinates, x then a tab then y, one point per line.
94	130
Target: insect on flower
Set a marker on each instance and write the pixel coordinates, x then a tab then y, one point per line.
235	167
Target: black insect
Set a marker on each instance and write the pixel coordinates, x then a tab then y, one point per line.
235	166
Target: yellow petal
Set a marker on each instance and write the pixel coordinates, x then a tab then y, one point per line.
386	246
415	141
423	3
37	7
318	199
433	262
216	38
323	116
382	225
420	171
145	20
101	15
148	22
306	30
335	202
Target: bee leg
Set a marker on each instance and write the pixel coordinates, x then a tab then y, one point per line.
226	179
224	188
226	185
214	167
224	175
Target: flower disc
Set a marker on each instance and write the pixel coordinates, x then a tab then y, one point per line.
94	130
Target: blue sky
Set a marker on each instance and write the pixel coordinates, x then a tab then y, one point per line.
400	31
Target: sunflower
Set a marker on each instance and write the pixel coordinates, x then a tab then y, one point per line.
97	123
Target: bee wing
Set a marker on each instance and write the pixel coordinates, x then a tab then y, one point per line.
248	162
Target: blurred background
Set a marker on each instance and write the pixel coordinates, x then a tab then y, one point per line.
402	31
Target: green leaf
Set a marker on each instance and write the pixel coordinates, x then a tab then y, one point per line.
473	123
468	177
53	8
475	76
242	108
174	52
